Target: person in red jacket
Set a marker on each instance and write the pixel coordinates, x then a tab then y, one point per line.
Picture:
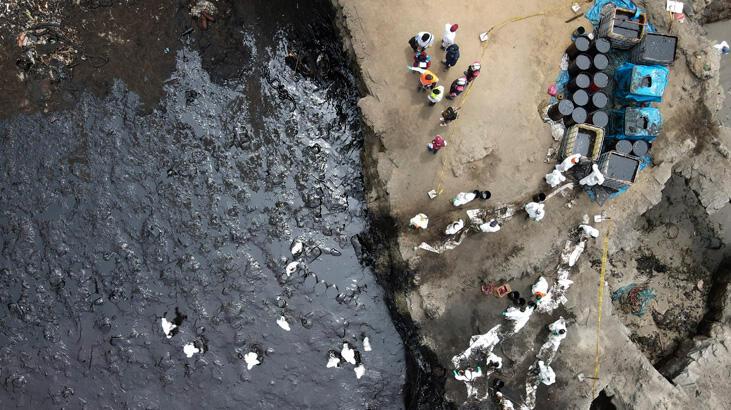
436	144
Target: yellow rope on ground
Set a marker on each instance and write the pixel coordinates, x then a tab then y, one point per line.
600	297
439	180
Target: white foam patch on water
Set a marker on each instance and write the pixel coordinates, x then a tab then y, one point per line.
190	350
291	267
282	322
359	371
333	361
251	359
348	354
367	344
167	327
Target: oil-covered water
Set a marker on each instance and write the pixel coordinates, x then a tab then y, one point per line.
113	217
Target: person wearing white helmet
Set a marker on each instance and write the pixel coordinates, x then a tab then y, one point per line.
473	71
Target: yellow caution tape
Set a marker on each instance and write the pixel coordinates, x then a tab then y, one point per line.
600	297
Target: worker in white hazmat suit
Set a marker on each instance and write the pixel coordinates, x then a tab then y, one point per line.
463	198
555	178
535	211
494	361
468	375
454	227
595	178
546	374
420	221
568	163
589	231
519	316
540	288
492	226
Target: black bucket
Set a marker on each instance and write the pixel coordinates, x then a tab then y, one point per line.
580	98
640	148
600	46
598	101
623	146
560	110
581	81
600	62
578	116
580	45
599	119
581	63
599	80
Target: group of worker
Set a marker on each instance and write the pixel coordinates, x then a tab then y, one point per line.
429	81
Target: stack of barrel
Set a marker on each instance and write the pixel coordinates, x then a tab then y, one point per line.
585	100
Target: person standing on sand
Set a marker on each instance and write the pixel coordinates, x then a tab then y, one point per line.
421	41
458	86
436	144
422	60
427	79
436	95
450	32
450	59
448	115
473	71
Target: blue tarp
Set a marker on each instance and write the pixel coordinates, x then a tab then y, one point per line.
634	123
640	83
594	13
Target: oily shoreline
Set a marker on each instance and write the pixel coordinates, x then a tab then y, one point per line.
425	377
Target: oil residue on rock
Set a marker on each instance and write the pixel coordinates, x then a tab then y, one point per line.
113	219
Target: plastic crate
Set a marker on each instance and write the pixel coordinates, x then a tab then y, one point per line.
583	139
620	27
655	49
619	170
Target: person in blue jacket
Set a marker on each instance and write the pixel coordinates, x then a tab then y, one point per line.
450	59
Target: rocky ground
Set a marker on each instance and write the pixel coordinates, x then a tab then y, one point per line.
660	233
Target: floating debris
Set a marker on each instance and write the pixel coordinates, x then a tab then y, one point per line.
282	322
